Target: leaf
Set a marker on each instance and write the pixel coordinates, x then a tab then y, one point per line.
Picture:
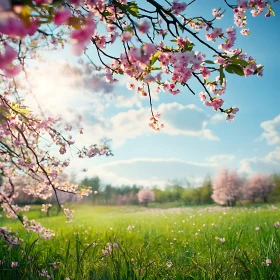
129	29
25	15
132	8
188	46
222	75
235	69
155	68
134	11
242	62
106	14
154	58
25	12
74	22
209	62
271	12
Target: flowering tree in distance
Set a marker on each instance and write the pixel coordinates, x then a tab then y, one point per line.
258	186
227	188
156	44
145	196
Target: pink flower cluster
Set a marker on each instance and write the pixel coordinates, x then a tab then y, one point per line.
61	16
256	6
82	36
134	61
69	214
144	26
215	102
36	227
9	237
231	37
6	62
42	190
216	32
12	25
45	207
178	7
45	274
184	63
154	122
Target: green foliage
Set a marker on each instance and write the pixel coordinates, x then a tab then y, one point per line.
235	69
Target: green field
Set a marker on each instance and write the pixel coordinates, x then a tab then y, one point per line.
149	243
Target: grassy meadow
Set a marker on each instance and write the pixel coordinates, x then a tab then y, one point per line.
148	243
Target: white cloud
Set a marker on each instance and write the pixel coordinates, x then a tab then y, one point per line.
271	131
186	120
155	160
217	118
268	164
220	160
111	177
128	101
157	171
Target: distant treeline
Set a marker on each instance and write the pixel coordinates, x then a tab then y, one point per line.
173	192
127	195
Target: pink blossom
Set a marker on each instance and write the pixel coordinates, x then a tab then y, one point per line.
145	196
7	57
217	13
105	252
230	118
61	16
13	26
40	2
234	110
113	36
144	26
14	264
126	36
81	37
216	32
277	224
205	72
245	31
177	7
6	60
130	86
12	71
222	240
202	96
216	103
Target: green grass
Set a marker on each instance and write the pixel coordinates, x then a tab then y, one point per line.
175	243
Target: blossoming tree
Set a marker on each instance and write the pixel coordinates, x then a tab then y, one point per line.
258	186
145	196
227	188
158	47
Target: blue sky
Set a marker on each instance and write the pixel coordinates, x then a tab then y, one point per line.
196	141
